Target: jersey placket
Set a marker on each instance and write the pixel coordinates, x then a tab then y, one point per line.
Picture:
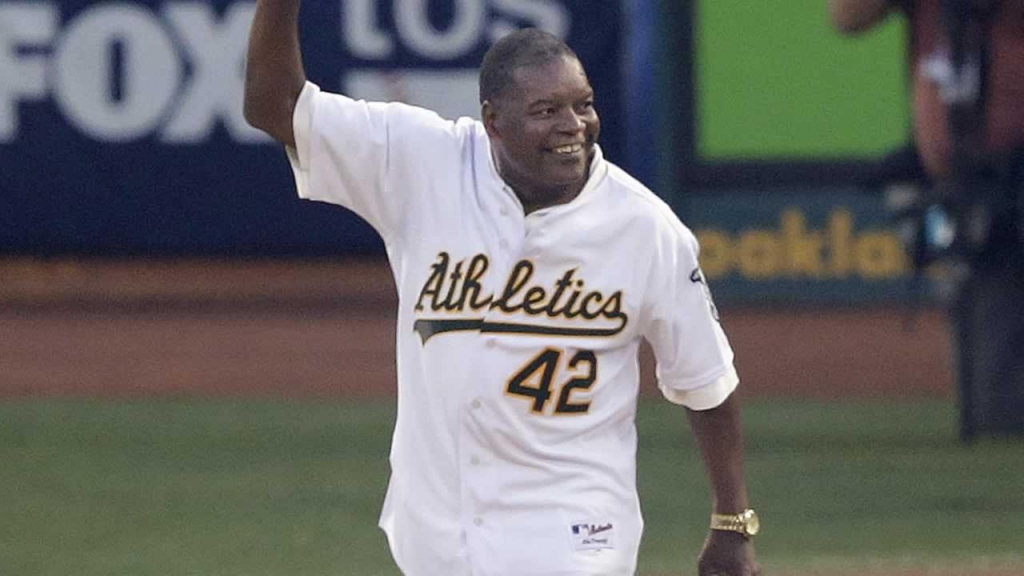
476	467
480	470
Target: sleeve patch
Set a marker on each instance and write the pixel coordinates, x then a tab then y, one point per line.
697	277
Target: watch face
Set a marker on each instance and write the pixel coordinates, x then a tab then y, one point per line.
753	524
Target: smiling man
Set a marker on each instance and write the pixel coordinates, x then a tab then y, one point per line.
529	269
538	108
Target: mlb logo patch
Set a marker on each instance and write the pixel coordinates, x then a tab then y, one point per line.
593	535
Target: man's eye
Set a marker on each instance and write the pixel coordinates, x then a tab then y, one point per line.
545	112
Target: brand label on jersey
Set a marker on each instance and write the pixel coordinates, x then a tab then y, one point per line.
593	535
454	289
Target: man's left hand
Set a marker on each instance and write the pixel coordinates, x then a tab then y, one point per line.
727	554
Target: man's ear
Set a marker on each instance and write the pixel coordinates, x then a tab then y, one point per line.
489	115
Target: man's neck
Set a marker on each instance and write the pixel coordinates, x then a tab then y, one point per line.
534	199
538	200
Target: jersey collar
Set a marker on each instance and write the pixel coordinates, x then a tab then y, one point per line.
598	170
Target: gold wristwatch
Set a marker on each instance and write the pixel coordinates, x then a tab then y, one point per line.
746	522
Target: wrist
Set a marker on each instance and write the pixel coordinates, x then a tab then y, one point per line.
730	500
732	507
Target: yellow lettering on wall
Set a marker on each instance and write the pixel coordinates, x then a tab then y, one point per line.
803	248
840	233
796	250
715	252
759	254
880	255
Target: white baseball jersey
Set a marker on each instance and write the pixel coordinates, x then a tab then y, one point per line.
514	450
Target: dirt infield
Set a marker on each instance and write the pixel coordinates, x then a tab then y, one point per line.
326	328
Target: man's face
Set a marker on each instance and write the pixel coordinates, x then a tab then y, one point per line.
543	129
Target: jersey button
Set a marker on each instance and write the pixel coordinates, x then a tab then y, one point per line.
478	521
503	211
474	461
503	244
475	404
490	343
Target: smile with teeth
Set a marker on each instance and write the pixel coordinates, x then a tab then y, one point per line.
568	149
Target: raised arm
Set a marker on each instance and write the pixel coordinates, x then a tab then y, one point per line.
274	76
855	16
719	434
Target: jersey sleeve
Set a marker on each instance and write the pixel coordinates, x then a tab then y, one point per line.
694	358
352	153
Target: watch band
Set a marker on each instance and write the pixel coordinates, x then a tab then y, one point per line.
745	523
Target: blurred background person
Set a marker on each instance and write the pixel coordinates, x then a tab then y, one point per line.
966	64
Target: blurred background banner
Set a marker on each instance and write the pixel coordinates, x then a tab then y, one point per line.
762	94
121	128
825	246
777	141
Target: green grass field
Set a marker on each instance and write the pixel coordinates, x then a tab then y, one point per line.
179	487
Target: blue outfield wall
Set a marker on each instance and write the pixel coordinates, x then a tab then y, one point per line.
121	131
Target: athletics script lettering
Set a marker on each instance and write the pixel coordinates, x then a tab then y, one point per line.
454	290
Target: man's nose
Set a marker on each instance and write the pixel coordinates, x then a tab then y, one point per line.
572	121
